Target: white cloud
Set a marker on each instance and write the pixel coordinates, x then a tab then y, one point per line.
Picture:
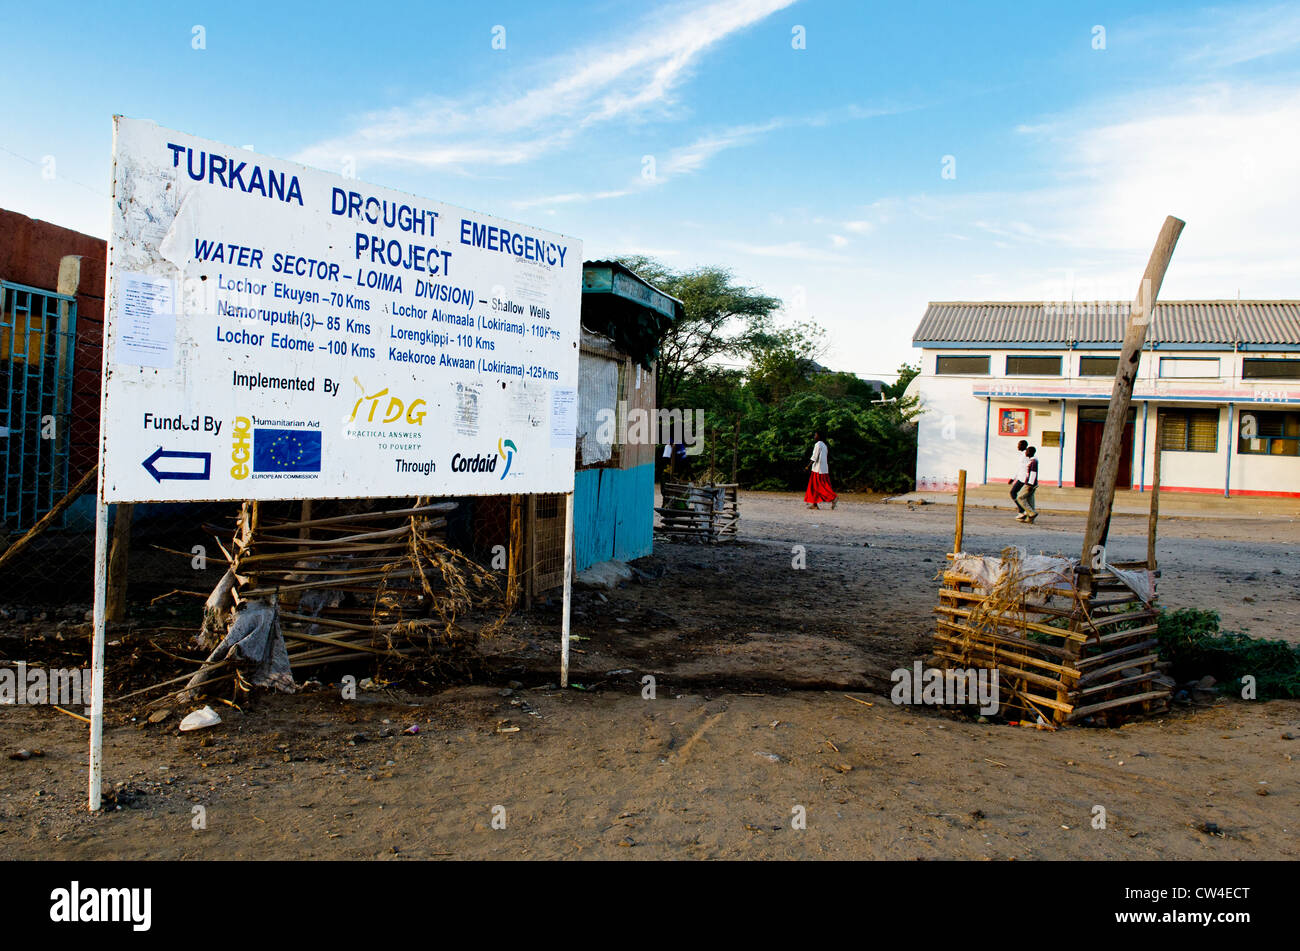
1220	156
789	250
624	247
602	82
569	198
1222	37
692	157
680	161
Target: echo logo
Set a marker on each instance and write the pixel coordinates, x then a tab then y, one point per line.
240	452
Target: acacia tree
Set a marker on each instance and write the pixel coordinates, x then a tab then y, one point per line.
785	361
722	319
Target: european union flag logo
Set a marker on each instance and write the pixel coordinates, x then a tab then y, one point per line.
286	450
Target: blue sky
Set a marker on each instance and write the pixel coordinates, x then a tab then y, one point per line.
815	173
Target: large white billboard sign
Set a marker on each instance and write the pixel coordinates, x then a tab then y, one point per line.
273	331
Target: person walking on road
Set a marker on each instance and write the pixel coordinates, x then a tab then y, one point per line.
1022	471
1028	513
819	480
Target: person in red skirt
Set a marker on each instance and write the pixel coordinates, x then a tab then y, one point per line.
819	480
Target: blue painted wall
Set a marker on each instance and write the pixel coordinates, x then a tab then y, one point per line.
613	514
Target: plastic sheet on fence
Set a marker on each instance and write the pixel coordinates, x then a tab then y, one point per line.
1039	574
255	635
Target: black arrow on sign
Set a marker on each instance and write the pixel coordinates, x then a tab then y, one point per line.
161	453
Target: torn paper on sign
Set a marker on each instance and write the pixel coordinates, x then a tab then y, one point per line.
146	322
527	405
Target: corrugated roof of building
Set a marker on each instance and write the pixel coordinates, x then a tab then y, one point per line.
1255	322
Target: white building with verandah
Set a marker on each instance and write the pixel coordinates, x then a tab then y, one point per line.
1222	376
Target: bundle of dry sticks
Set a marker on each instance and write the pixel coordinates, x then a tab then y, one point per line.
310	587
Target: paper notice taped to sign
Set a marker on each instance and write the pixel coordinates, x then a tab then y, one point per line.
564	416
467	403
146	316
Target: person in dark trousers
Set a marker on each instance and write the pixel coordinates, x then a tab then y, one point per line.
1022	470
1029	513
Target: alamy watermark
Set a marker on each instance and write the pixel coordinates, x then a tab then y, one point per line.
952	687
21	684
642	427
77	903
1087	308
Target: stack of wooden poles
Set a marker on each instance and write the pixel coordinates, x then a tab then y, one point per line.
690	511
1062	656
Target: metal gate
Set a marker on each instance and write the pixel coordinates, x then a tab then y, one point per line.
545	547
38	330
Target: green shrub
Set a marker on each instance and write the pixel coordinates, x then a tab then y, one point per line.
1191	640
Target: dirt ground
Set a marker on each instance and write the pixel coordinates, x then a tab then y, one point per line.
770	705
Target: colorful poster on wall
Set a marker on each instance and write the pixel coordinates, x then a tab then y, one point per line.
1013	422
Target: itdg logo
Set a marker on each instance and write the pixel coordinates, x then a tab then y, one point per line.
506	449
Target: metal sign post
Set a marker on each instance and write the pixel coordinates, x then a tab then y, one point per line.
97	648
568	589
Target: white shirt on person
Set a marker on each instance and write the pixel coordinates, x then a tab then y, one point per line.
818	458
1022	470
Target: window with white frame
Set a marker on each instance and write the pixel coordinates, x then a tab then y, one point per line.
1189	368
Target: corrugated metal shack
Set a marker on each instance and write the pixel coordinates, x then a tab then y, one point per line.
613	503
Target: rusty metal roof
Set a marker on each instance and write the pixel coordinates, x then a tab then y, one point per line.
1208	322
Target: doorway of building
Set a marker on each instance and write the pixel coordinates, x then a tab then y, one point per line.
1087	448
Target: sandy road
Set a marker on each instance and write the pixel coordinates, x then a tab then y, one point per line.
1247	570
750	726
